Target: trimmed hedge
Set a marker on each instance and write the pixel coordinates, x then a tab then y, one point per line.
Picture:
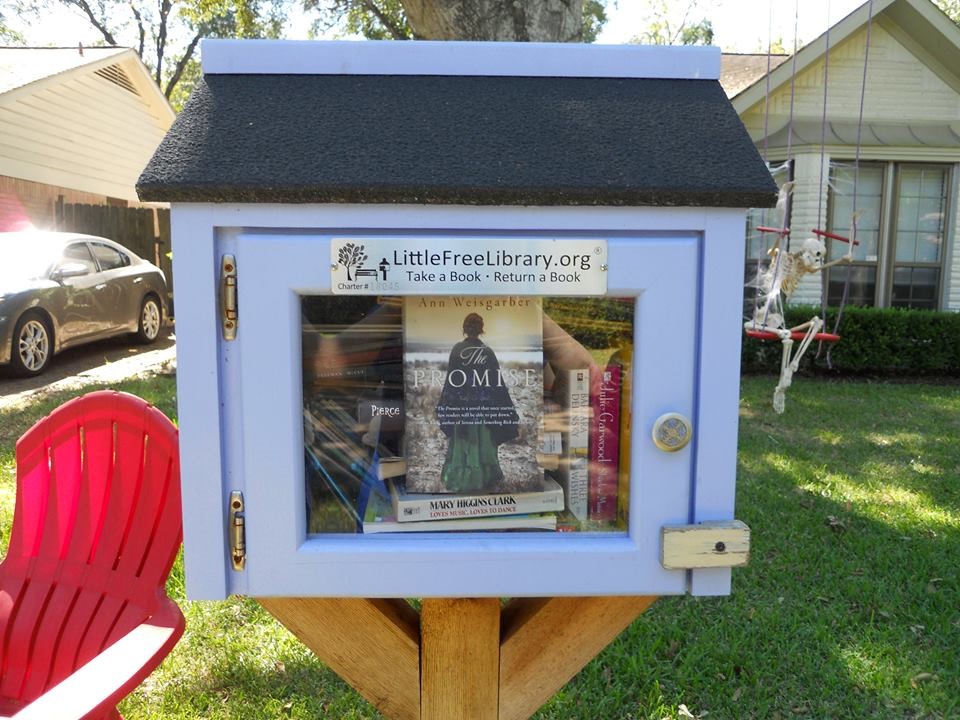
874	341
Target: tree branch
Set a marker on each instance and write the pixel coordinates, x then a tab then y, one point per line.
143	32
86	9
165	6
683	23
395	30
181	65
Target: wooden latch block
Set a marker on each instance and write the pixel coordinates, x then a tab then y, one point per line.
724	543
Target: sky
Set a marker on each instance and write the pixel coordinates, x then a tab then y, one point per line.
739	25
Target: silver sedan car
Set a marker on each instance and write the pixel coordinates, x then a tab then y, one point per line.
60	289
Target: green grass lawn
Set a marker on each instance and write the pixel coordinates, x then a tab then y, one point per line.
850	607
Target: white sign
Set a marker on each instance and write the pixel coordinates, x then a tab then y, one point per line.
468	266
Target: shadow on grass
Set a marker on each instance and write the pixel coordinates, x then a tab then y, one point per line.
850	607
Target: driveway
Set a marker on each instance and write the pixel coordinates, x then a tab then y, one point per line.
107	361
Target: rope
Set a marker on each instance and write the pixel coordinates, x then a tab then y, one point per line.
766	95
823	142
856	179
823	117
766	133
793	83
788	198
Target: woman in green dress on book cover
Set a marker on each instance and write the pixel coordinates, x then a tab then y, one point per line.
475	412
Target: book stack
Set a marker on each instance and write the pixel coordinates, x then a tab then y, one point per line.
473	392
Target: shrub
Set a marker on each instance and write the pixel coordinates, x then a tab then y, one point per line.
874	341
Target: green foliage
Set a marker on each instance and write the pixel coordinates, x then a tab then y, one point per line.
24	11
596	323
700	33
874	341
951	8
374	19
192	72
664	27
594	18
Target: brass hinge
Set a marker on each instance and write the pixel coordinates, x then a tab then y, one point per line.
228	297
238	531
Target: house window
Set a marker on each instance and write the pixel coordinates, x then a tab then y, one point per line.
869	209
918	236
901	211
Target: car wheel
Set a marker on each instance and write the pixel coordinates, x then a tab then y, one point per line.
32	345
151	316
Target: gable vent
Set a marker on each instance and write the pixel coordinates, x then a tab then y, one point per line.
117	75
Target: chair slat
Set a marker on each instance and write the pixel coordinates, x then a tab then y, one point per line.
98	479
72	654
24	622
96	529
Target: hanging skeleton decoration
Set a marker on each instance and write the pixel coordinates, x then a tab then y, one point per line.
777	282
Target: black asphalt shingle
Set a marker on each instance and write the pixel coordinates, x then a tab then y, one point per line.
458	140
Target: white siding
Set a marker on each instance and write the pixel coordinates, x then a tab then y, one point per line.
82	132
809	212
900	88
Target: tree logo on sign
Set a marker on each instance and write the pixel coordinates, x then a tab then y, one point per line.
351	256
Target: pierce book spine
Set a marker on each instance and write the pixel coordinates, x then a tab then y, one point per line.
605	445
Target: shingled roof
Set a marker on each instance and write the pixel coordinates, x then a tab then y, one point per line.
476	140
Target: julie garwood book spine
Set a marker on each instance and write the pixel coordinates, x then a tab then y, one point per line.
605	445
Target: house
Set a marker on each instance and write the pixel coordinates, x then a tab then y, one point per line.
77	125
908	174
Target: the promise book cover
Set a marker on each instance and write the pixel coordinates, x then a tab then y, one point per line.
473	388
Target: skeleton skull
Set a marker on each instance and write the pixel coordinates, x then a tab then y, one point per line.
813	251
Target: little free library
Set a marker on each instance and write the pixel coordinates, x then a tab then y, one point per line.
463	321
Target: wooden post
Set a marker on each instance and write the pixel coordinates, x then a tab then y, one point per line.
459	659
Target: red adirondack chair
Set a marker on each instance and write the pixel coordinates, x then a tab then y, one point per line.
84	616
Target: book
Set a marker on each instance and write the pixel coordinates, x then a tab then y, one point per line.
351	343
391	467
473	394
380	518
624	358
603	475
574	397
419	507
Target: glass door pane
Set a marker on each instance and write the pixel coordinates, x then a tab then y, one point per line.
446	414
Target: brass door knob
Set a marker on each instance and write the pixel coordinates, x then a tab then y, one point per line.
672	432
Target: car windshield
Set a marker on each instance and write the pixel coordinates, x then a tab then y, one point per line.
22	260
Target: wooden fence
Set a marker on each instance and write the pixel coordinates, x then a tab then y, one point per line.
145	231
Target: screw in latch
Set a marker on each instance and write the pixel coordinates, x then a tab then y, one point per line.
720	547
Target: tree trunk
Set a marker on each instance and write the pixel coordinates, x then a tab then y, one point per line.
521	20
